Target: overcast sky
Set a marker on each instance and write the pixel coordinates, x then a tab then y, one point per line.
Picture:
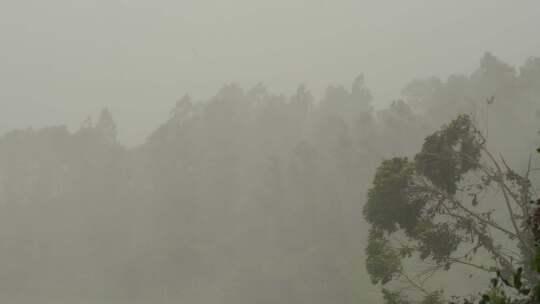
61	60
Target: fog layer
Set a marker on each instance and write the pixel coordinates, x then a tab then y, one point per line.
62	60
247	197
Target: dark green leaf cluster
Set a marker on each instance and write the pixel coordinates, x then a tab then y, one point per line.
438	242
450	153
382	263
396	297
433	298
393	297
389	206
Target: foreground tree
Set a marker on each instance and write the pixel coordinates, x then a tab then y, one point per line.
428	214
515	289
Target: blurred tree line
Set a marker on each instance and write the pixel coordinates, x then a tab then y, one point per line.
247	197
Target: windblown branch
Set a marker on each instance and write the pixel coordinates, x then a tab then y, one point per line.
511	213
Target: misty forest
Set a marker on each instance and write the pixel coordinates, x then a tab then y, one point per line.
269	152
257	197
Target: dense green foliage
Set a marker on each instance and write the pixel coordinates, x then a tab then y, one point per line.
421	204
389	207
447	155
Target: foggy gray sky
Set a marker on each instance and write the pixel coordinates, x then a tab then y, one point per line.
61	60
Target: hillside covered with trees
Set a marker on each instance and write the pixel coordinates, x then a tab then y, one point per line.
250	196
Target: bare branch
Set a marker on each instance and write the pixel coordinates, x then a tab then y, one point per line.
500	181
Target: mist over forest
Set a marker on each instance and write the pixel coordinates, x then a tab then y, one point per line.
251	196
269	152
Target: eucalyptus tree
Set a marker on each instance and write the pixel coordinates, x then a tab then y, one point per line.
430	213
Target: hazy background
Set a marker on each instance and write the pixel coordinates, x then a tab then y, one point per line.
246	192
62	60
